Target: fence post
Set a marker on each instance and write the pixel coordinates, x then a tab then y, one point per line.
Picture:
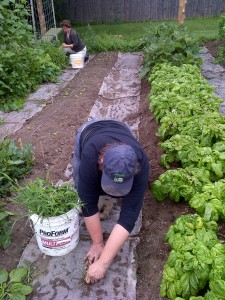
41	17
181	11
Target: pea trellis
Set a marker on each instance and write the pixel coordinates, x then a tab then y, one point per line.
43	19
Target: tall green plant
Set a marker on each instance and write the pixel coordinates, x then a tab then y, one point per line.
168	43
14	28
221	27
23	65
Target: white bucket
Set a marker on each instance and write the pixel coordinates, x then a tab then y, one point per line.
57	236
77	60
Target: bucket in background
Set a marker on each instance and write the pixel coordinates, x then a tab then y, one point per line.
77	60
57	236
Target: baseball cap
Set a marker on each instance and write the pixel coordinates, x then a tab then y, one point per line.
119	165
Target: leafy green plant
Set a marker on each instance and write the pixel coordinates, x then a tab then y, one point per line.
185	149
22	71
221	27
208	128
188	266
168	43
5	232
182	91
192	130
220	55
180	183
14	27
24	65
45	199
56	54
14	285
210	202
15	162
216	289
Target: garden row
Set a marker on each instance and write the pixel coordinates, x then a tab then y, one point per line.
24	66
192	135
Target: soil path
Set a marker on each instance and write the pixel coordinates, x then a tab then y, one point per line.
51	132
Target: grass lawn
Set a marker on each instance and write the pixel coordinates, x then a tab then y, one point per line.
204	28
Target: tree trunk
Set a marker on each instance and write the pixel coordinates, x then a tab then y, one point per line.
181	11
41	17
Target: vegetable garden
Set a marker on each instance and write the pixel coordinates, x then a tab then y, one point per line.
191	133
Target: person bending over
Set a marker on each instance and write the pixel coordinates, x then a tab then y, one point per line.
108	160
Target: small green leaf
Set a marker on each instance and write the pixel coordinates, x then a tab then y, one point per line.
18	274
218	287
19	288
17	297
2	290
3	276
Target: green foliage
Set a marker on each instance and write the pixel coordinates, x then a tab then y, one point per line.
5	232
220	55
14	27
104	42
203	28
210	202
185	149
221	27
23	65
169	43
207	129
178	184
15	162
56	54
189	264
192	130
21	72
181	91
45	199
14	285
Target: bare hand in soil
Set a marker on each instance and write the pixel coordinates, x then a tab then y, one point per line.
95	272
93	254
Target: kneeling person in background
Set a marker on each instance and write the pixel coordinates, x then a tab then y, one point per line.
72	42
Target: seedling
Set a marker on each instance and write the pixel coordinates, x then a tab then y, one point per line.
82	279
14	285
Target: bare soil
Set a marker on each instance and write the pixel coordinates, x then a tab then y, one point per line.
51	132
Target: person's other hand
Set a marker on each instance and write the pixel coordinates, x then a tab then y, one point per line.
94	253
95	272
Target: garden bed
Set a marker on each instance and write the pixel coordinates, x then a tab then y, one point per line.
51	132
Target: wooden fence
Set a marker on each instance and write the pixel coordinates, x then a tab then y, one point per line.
112	11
